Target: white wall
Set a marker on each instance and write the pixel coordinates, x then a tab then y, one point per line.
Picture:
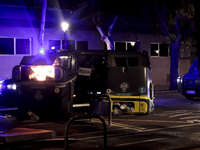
93	37
160	66
9	61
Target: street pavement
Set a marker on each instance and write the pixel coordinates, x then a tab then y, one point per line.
169	127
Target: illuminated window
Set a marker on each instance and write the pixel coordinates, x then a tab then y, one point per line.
161	50
15	46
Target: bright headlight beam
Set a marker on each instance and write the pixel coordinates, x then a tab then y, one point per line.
12	86
41	72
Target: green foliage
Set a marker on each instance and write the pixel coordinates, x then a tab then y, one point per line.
186	10
173	20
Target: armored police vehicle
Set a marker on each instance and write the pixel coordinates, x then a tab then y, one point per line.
50	85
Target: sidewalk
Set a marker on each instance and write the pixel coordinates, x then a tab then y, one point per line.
163	89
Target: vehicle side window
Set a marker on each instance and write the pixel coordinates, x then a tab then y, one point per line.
65	61
133	61
120	61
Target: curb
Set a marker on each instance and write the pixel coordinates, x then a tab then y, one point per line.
166	91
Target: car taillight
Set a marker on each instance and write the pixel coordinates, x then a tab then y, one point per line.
16	73
58	73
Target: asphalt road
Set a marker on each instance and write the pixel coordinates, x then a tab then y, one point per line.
174	124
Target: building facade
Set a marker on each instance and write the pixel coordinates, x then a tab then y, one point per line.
20	28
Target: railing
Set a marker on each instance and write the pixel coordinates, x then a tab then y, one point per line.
84	117
109	108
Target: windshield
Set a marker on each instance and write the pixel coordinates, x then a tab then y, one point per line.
194	66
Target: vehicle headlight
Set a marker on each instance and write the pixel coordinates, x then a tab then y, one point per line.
41	73
179	80
11	86
37	73
16	73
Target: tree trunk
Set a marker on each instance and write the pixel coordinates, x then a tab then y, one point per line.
175	48
197	24
42	25
107	39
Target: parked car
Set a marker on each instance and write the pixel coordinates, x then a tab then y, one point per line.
190	85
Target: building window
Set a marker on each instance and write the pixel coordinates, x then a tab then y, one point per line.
7	46
60	44
120	45
161	50
70	45
54	44
82	45
15	46
23	46
131	46
125	46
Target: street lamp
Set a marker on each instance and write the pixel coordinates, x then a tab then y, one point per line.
65	26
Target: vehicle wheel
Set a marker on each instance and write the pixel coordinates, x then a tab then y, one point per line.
189	97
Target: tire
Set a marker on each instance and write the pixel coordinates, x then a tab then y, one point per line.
189	97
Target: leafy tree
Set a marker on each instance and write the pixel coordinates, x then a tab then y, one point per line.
172	19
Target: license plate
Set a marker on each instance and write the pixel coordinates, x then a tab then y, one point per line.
190	92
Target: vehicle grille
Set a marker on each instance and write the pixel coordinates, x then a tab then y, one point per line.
190	83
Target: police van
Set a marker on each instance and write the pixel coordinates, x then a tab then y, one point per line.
123	76
50	85
190	84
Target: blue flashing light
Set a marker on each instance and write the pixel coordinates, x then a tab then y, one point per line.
42	51
53	47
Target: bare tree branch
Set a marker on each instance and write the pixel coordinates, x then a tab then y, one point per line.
107	39
42	25
111	26
101	32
